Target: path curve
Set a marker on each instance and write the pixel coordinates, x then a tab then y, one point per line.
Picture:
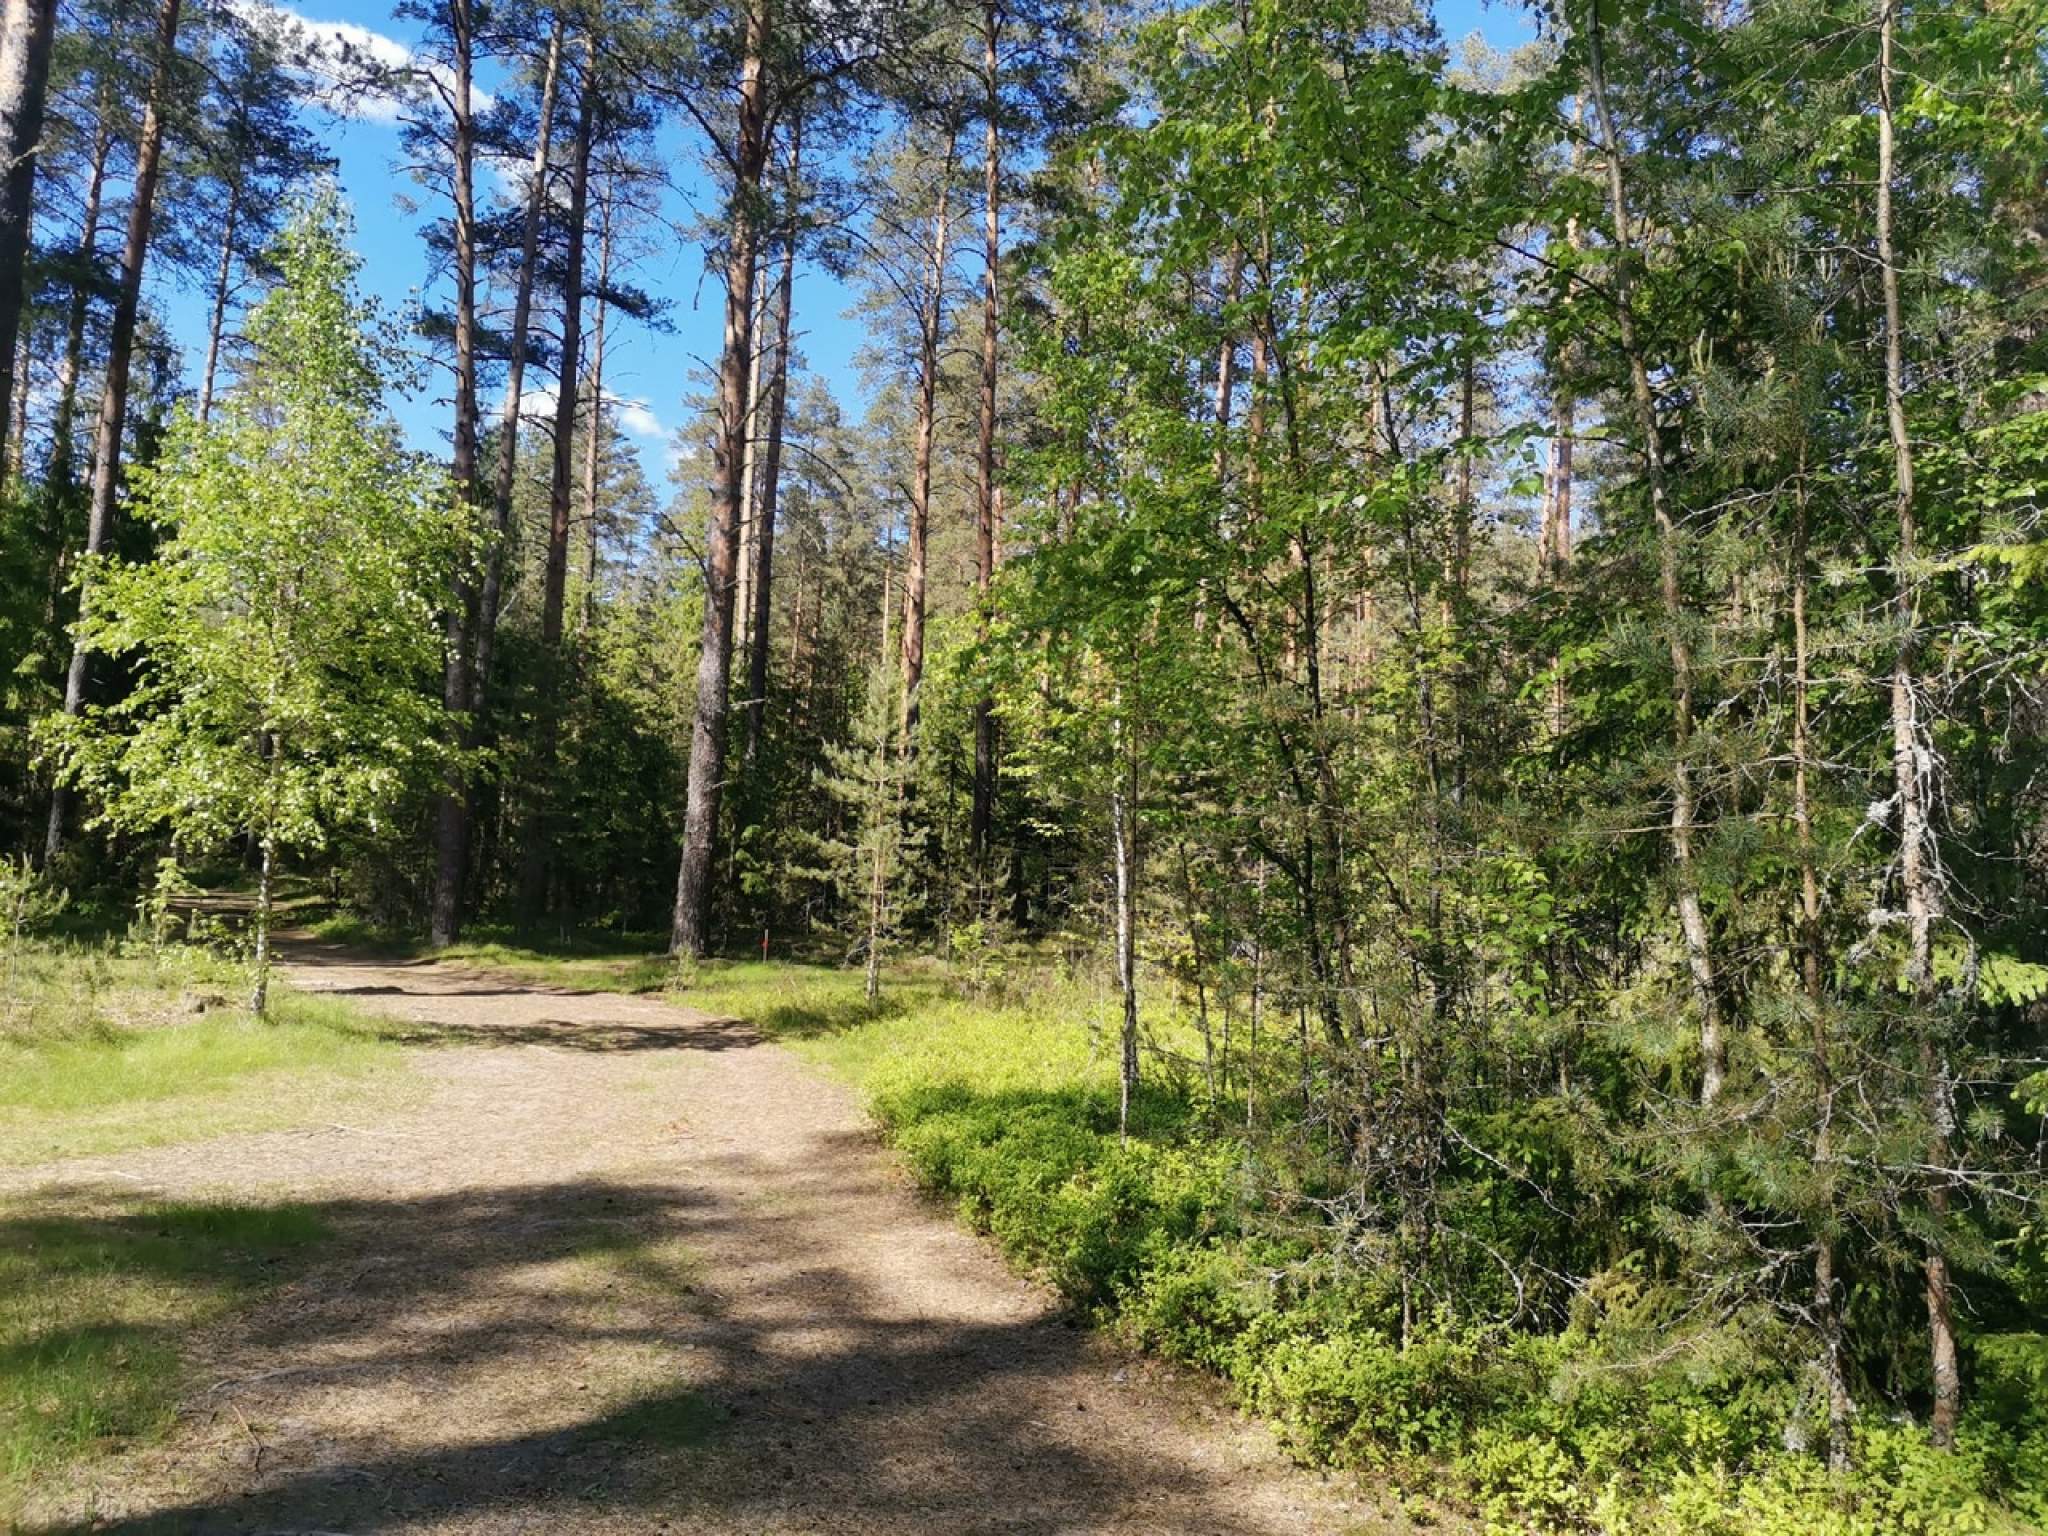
633	1269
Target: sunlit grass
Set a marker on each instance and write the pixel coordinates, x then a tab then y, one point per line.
105	1052
94	1306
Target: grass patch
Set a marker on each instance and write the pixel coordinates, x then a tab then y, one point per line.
94	1306
104	1052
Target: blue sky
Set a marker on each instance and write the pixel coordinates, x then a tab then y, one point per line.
647	373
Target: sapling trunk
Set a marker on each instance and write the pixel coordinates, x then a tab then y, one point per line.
259	1001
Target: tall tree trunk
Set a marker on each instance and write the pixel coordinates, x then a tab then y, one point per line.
555	584
982	823
691	932
750	477
1692	919
223	273
106	474
534	865
593	441
929	320
451	806
768	496
515	376
63	427
1918	872
27	31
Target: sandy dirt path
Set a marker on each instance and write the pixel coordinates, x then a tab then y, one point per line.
632	1269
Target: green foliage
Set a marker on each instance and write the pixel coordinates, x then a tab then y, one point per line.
1008	1114
285	634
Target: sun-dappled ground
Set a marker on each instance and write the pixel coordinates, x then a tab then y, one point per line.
614	1264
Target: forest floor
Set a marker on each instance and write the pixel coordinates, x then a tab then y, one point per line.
626	1267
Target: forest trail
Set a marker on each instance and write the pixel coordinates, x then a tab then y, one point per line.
630	1268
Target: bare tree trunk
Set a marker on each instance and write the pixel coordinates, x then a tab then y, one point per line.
593	441
451	808
770	489
1556	542
1692	919
537	855
982	823
556	580
120	355
259	999
218	317
515	377
929	321
1918	873
62	425
691	933
750	477
27	31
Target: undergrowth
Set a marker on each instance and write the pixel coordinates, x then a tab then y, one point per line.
1185	1240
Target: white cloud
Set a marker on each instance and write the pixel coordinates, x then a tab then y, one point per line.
638	418
339	54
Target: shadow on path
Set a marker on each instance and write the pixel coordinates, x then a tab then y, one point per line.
809	1392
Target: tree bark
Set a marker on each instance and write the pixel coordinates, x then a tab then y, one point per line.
982	822
1918	873
768	497
217	319
691	930
750	487
106	472
27	32
451	807
1692	919
593	441
929	321
515	378
62	426
555	586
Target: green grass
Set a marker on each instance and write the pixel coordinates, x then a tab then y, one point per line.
922	1027
95	1305
102	1052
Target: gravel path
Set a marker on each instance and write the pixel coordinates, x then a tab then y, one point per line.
632	1269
